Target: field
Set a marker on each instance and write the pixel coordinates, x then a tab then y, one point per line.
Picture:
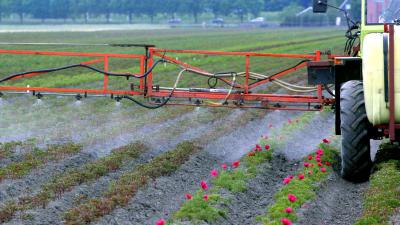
95	161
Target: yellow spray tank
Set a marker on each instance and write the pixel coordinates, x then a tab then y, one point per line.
373	76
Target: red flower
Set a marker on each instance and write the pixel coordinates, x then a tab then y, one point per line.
188	196
288	210
251	154
214	173
267	147
224	166
286	221
328	164
326	141
205	197
301	176
160	222
287	180
270	126
292	198
310	157
320	152
291	176
236	164
323	170
320	164
318	159
310	172
306	164
204	185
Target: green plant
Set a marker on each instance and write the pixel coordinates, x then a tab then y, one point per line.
122	190
382	199
67	180
304	188
199	209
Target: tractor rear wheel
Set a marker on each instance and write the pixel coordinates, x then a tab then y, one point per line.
355	126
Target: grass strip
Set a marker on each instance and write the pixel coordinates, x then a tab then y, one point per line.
7	149
303	187
37	158
382	198
235	179
122	190
67	180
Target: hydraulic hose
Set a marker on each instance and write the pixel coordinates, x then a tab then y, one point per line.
165	102
10	77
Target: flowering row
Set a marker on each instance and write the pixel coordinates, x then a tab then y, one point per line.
300	188
204	204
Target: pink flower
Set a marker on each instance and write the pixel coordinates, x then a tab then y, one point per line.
188	196
318	159
292	198
288	210
224	166
214	173
289	121
310	172
204	185
320	165
286	221
160	222
328	164
323	169
310	157
236	164
267	147
326	141
291	176
287	180
205	197
306	164
320	152
301	176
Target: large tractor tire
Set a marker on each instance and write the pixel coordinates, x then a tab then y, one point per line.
355	126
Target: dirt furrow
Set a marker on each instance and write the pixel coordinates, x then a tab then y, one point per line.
165	195
338	203
10	189
165	135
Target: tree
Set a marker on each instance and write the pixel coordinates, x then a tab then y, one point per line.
151	8
255	7
220	7
240	8
19	7
195	7
39	9
60	9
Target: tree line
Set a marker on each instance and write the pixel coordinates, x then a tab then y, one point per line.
83	9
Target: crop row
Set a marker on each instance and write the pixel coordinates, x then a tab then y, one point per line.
122	190
36	158
205	204
67	180
301	187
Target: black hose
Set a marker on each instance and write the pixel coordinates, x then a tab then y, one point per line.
84	66
148	106
329	91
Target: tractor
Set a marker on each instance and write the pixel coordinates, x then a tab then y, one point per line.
363	77
366	82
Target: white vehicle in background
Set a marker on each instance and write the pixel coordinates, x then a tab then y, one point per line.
258	20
